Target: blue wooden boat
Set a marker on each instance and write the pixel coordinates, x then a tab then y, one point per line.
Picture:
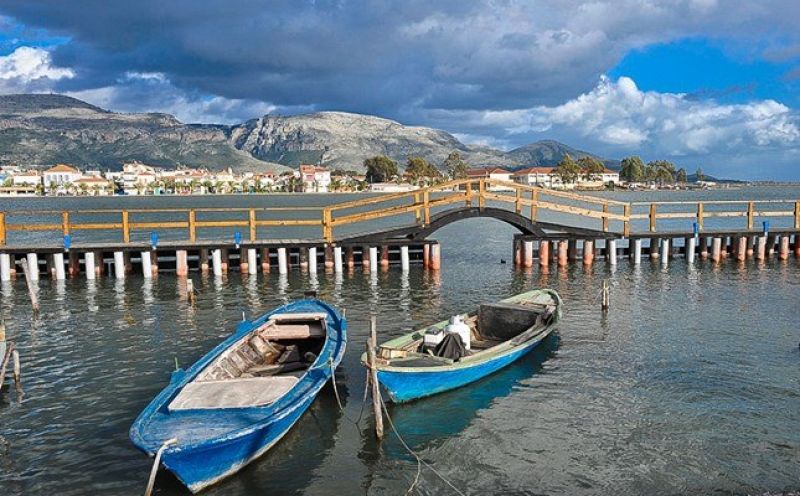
241	398
500	333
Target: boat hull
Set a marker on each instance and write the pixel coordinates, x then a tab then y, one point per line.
408	385
200	468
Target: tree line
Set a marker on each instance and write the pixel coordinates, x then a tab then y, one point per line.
382	169
661	171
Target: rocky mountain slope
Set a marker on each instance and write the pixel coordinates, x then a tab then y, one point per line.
46	129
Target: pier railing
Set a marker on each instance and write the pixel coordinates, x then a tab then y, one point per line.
417	207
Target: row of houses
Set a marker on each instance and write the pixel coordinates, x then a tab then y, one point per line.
137	178
545	177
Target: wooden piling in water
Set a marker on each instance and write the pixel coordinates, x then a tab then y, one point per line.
202	261
264	260
351	257
797	245
181	263
572	250
426	255
31	292
73	264
329	263
372	345
385	256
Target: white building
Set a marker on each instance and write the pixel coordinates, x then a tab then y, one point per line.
94	186
546	177
136	177
59	176
315	179
29	178
496	174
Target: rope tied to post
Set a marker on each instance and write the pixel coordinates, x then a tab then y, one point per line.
154	470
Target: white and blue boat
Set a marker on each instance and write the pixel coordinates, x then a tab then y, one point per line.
499	333
241	398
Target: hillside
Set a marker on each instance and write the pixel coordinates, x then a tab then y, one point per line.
47	129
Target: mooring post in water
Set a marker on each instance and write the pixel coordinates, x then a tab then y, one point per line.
373	259
312	260
783	252
797	245
588	251
665	251
384	257
190	291
216	261
761	250
716	249
17	370
606	297
426	255
181	263
31	292
283	261
252	261
372	344
527	253
741	250
436	257
265	260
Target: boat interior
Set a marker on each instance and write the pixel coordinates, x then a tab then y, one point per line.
493	324
259	368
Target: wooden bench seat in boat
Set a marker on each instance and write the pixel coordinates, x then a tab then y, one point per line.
293	326
233	393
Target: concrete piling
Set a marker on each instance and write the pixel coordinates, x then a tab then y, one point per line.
181	263
527	253
5	267
147	268
216	261
611	251
637	251
435	257
283	262
690	249
783	251
404	260
88	264
716	250
665	251
312	260
384	257
426	255
337	259
741	248
373	259
252	261
33	266
544	253
58	266
562	253
588	251
761	248
119	265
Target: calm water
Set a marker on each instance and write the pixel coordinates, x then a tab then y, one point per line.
690	384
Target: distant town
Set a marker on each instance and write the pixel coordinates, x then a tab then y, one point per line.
383	175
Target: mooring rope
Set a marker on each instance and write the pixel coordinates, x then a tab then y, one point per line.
339	400
420	461
156	463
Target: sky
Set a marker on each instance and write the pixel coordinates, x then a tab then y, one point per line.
704	83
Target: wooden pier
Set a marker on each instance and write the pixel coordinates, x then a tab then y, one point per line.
391	230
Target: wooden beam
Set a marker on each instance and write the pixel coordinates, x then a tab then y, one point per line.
652	217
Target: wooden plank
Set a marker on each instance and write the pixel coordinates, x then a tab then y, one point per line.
65	223
192	225
2	228
252	223
700	208
652	217
126	231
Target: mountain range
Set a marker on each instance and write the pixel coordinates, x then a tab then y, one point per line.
47	128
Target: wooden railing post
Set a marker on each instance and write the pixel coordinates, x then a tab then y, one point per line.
426	201
534	204
481	194
468	202
417	211
605	217
252	224
797	215
652	217
627	225
2	228
700	209
518	201
327	225
192	225
65	223
751	207
126	228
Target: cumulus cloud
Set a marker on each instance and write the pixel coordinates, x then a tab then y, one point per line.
29	69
